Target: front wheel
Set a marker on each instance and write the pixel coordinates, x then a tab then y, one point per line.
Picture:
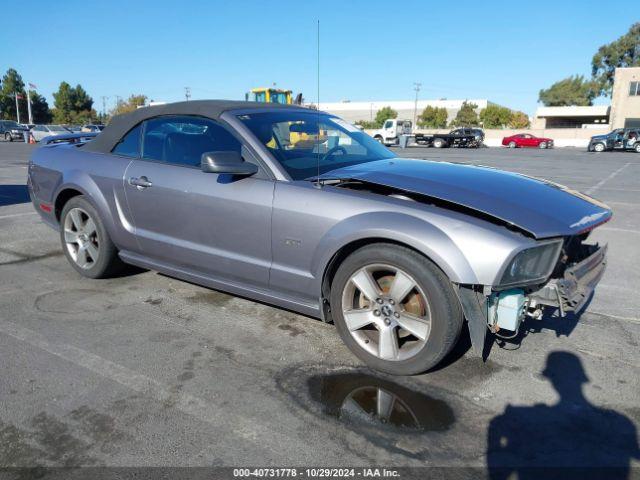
8	137
598	147
637	147
395	309
543	145
85	240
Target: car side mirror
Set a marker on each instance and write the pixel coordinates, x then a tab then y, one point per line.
229	162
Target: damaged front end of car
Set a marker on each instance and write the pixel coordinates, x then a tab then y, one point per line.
576	269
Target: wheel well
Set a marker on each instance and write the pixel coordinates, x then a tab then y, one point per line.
337	259
63	197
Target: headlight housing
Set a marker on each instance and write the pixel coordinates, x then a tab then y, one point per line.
532	265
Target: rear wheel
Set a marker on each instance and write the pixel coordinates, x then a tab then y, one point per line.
512	144
598	147
85	241
438	143
395	309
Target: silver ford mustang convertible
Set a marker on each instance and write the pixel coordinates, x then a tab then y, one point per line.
299	209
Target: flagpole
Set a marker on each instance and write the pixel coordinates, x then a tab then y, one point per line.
29	104
15	94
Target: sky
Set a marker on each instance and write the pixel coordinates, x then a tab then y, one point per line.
369	50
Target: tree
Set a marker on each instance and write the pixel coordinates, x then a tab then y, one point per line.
466	116
11	84
623	52
433	117
385	113
495	116
574	90
519	120
73	105
132	103
366	124
39	108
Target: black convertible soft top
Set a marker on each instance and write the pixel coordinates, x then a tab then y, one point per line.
121	124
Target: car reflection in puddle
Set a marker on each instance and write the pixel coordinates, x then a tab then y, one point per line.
367	400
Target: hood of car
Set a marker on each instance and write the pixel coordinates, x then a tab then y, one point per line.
599	137
542	208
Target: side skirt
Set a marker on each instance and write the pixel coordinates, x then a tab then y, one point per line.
261	295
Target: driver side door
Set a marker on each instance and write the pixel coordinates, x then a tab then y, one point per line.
217	225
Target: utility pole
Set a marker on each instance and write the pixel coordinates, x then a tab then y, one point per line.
104	106
187	93
416	87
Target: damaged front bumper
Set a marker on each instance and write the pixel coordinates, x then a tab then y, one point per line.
568	293
573	290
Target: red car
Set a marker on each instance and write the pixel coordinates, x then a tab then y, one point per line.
526	140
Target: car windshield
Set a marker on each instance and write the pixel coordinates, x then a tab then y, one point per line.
305	142
57	128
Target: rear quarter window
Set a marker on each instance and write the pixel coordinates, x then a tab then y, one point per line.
129	145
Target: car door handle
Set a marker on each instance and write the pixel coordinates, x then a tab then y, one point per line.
142	182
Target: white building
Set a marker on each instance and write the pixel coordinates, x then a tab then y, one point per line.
354	111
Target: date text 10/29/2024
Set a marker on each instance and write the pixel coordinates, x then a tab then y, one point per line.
316	472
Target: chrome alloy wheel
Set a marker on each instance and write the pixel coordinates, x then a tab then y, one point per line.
81	238
386	312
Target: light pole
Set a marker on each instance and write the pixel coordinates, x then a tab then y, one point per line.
17	96
416	87
187	93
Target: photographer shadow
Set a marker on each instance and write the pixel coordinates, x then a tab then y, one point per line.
569	439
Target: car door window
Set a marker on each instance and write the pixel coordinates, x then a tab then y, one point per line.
129	145
181	140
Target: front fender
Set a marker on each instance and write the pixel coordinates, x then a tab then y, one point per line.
397	227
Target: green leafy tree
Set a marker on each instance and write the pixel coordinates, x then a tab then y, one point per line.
129	105
623	52
82	102
495	116
466	116
433	117
366	124
11	84
385	113
519	120
63	103
39	108
574	90
73	105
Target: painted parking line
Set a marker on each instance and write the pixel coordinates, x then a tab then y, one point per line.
606	179
13	215
246	428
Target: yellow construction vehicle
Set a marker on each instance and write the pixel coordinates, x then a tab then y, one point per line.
270	95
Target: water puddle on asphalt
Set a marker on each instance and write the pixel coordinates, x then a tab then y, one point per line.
369	401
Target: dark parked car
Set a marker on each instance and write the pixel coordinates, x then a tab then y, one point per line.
10	131
620	139
527	140
459	137
300	209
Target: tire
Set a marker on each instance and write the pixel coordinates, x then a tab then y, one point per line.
637	147
542	145
8	137
76	231
598	147
430	300
512	144
439	143
379	139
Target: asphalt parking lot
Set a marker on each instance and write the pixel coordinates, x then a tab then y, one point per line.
147	370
